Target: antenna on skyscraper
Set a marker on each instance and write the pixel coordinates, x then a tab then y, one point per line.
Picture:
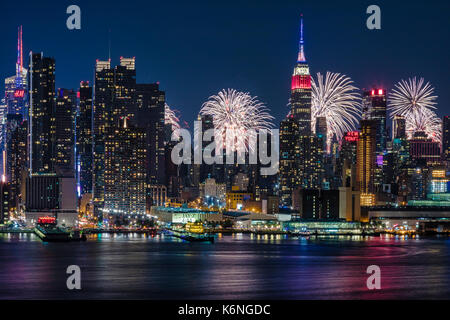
301	28
19	51
109	44
301	50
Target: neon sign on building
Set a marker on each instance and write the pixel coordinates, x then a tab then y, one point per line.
19	93
352	136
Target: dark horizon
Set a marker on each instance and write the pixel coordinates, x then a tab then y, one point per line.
195	50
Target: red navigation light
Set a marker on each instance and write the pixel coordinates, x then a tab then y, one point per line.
380	92
19	93
373	92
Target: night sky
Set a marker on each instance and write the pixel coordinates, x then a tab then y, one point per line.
196	48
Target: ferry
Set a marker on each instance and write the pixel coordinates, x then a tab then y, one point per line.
193	232
196	238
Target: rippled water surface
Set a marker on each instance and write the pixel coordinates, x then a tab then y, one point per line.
234	267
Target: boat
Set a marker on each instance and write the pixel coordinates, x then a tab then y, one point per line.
77	235
48	231
51	234
191	236
195	238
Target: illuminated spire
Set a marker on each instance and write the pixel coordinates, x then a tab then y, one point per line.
19	52
301	50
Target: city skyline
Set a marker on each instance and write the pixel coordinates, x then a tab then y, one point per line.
180	94
225	150
141	156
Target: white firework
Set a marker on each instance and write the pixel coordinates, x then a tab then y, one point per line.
170	118
415	101
337	99
237	114
411	96
424	120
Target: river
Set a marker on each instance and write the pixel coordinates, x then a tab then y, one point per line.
239	266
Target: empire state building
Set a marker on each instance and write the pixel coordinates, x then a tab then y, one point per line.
301	90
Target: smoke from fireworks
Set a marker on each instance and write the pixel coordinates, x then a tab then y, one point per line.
236	113
335	98
415	101
170	118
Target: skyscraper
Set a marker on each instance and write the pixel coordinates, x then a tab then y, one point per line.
301	90
301	152
16	158
125	171
149	115
310	161
374	106
365	162
446	138
398	127
16	87
66	106
205	171
114	101
103	101
15	100
309	157
288	172
42	114
124	104
84	156
348	159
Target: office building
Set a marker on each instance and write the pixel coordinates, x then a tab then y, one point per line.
150	116
365	162
66	108
125	171
84	141
42	124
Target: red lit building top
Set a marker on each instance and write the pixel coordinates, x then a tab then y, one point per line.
301	82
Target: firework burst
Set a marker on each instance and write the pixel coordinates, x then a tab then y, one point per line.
414	100
335	98
170	118
424	120
411	96
239	114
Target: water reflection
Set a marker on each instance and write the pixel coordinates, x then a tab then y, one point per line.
236	266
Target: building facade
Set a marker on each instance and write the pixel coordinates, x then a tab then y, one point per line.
42	114
66	108
84	141
125	172
365	163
